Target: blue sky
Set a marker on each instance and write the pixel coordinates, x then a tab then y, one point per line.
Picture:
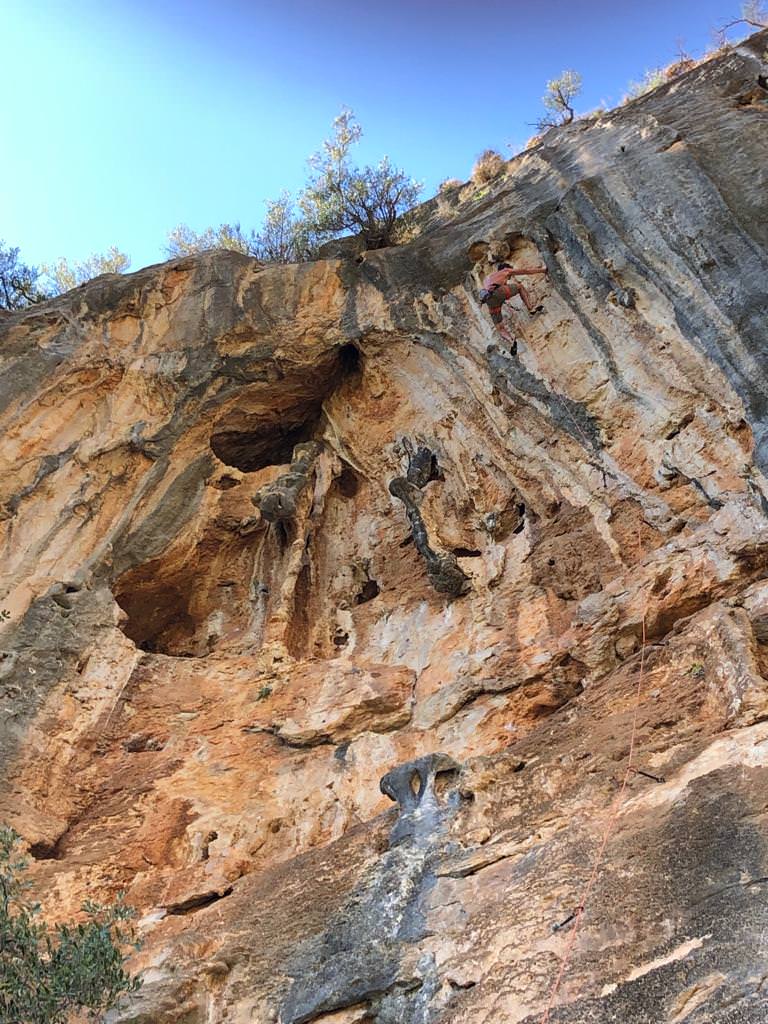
122	120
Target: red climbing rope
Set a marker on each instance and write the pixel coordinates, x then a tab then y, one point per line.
613	818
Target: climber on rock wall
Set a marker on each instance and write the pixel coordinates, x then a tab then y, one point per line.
498	287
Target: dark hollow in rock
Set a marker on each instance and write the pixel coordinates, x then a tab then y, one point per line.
159	620
348	482
270	445
141	743
367	592
252	443
194	903
44	850
350	361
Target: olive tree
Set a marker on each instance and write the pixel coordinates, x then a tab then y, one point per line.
47	973
183	241
285	236
342	197
18	280
63	275
558	100
754	15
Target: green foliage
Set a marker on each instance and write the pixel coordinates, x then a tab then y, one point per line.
264	692
341	197
46	974
558	100
18	281
183	241
285	237
651	80
63	276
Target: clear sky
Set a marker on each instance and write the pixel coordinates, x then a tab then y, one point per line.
123	118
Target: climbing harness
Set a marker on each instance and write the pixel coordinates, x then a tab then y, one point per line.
577	915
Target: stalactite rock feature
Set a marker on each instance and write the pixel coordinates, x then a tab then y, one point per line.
279	500
198	702
445	573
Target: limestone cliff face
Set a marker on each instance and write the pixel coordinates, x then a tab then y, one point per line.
272	535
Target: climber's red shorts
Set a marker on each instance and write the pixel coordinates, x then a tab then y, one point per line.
498	297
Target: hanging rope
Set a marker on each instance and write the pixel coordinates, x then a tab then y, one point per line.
610	825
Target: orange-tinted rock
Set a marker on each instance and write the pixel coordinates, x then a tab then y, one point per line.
199	701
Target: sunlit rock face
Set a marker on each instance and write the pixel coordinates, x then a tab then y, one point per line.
228	624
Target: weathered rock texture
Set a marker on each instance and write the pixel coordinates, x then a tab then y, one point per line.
199	699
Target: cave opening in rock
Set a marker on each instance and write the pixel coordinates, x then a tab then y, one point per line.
367	592
350	360
45	850
270	444
348	482
250	441
158	617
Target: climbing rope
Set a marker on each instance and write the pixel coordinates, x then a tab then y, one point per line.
610	825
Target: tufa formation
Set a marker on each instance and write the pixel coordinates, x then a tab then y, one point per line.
332	624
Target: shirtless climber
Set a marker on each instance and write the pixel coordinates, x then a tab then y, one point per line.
498	287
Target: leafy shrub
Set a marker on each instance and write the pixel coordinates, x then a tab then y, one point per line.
487	166
62	275
183	241
47	974
339	198
651	80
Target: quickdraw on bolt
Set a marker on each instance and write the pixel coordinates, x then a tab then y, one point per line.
647	775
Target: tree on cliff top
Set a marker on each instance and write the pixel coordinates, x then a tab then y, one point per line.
341	197
18	281
284	238
183	241
754	15
62	275
558	99
46	974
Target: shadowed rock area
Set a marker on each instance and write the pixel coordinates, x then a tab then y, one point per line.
285	544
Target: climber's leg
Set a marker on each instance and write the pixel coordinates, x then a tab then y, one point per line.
530	305
495	305
498	319
510	340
